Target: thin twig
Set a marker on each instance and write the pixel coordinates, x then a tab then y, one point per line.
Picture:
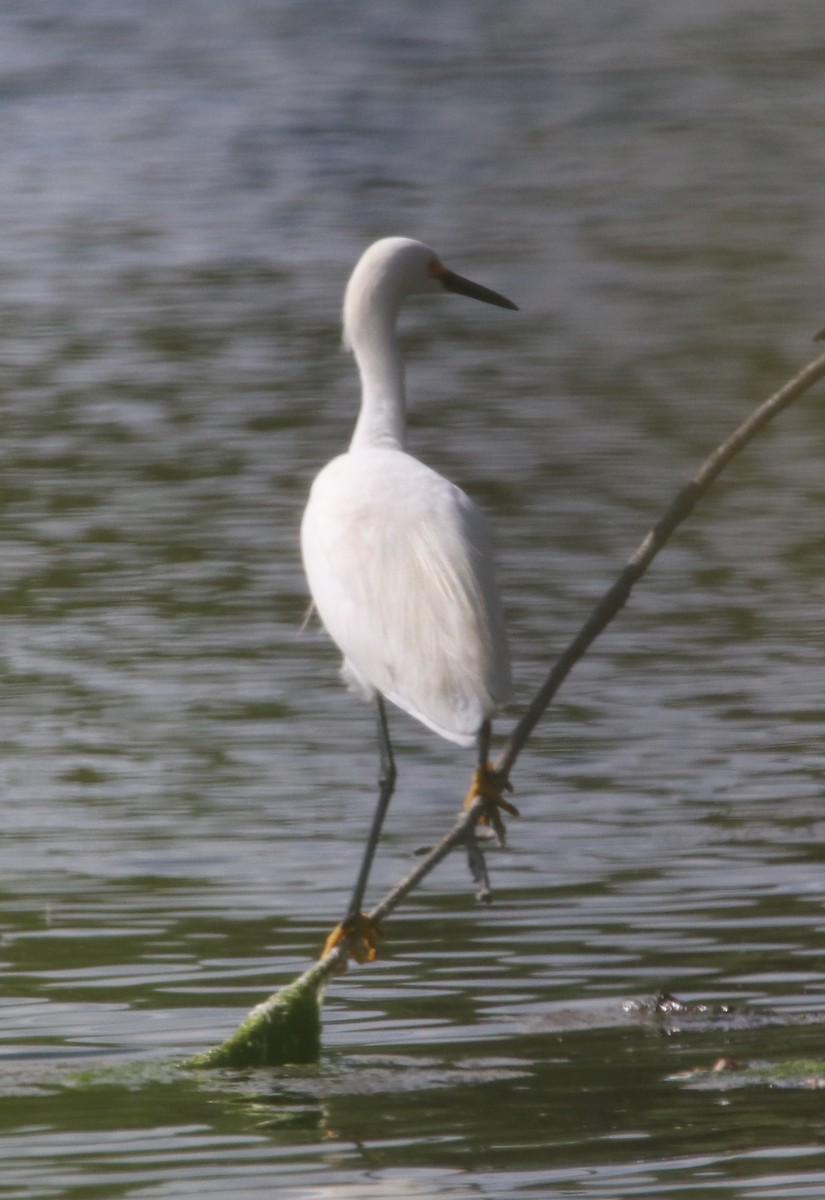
466	822
683	504
461	832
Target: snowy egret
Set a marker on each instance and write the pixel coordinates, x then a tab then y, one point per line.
397	557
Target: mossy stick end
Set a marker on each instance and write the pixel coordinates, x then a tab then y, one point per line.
284	1029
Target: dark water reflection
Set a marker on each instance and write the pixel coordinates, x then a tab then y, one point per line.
185	188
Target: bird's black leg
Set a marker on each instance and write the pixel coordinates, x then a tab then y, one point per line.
386	787
484	734
475	855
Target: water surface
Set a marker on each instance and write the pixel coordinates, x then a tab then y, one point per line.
185	188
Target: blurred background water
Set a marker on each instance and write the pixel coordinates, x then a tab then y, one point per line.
184	188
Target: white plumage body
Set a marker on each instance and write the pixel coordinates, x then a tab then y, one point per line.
400	568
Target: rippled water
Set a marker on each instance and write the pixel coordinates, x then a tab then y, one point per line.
185	784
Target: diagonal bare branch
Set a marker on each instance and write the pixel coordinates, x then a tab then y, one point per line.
680	508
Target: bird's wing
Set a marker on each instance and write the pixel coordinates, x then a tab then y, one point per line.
400	568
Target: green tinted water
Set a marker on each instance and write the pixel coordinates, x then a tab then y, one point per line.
185	783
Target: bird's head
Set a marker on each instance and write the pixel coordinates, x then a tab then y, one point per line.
396	267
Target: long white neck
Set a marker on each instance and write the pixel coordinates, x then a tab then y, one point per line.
369	331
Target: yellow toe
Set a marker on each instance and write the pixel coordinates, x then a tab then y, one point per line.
361	936
490	786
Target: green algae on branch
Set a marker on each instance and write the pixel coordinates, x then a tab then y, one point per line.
729	1073
285	1028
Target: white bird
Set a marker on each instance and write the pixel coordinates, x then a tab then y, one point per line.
397	557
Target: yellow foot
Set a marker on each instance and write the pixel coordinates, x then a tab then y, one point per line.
361	935
489	786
